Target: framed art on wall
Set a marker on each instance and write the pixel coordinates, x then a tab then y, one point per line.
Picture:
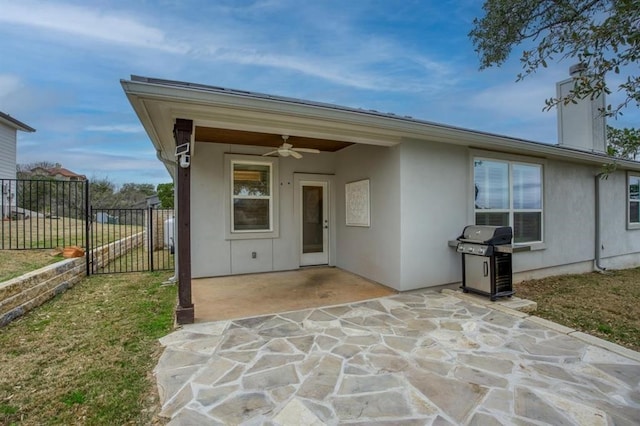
357	203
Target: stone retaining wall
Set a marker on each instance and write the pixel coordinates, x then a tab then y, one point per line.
103	255
21	294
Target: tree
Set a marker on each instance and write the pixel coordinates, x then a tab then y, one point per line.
623	143
102	193
165	194
131	194
602	35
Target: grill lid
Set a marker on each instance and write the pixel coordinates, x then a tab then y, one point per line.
484	234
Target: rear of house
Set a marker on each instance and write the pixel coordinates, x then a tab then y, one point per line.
384	196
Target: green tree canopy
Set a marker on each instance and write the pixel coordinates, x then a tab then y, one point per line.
165	194
623	143
603	35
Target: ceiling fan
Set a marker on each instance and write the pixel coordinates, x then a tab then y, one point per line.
286	149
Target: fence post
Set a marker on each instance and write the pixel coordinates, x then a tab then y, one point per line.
150	241
88	226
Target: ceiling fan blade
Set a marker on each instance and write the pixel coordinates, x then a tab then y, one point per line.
311	150
270	153
295	155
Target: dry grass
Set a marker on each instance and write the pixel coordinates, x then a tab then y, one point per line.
35	233
604	305
14	263
37	242
86	356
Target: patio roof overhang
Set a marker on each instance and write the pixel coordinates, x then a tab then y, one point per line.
239	117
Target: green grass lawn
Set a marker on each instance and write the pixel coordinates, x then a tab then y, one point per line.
86	356
604	305
14	263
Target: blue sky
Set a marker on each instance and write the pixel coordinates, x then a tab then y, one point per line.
61	63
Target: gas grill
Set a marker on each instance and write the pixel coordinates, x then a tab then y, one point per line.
486	260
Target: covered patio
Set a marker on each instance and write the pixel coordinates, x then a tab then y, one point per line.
240	296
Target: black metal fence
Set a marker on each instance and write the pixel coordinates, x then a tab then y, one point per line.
53	214
131	240
43	214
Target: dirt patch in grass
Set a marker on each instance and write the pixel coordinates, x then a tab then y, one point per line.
85	357
604	305
14	263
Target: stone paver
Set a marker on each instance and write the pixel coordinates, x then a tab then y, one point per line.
421	358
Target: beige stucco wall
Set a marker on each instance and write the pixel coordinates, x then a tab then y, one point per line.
435	179
373	252
421	197
212	254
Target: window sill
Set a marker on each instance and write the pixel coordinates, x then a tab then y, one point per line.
532	246
631	226
251	235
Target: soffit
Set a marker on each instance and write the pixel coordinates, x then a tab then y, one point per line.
240	137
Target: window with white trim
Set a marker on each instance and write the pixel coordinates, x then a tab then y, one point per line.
251	196
633	196
509	193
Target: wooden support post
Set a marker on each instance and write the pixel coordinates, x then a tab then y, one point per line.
185	311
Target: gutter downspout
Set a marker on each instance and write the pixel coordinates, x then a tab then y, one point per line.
173	279
598	239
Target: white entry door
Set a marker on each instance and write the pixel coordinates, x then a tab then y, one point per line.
314	223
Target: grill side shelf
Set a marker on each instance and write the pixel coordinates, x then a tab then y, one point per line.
505	248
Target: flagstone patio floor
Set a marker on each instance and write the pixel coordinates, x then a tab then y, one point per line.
420	358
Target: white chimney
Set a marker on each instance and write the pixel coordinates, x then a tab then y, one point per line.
582	125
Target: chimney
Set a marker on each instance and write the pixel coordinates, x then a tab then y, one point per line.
583	125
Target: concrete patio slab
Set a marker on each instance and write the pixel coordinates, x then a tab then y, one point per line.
239	296
421	358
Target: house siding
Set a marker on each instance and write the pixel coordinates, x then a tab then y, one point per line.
436	204
214	255
373	252
434	188
421	197
7	152
620	246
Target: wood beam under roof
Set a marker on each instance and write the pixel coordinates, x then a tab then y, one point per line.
242	137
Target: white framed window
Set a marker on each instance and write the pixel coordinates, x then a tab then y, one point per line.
633	201
509	193
252	197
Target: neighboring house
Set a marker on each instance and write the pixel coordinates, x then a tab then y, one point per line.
9	127
385	195
151	201
58	173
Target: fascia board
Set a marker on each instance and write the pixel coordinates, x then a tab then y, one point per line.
236	112
15	124
163	150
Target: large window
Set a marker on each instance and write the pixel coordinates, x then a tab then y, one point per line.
251	197
509	193
634	200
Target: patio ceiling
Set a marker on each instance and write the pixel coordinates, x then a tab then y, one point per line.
243	137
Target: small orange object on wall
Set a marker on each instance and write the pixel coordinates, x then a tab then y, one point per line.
72	251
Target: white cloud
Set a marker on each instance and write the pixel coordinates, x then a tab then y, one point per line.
86	22
8	85
116	128
345	56
513	99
